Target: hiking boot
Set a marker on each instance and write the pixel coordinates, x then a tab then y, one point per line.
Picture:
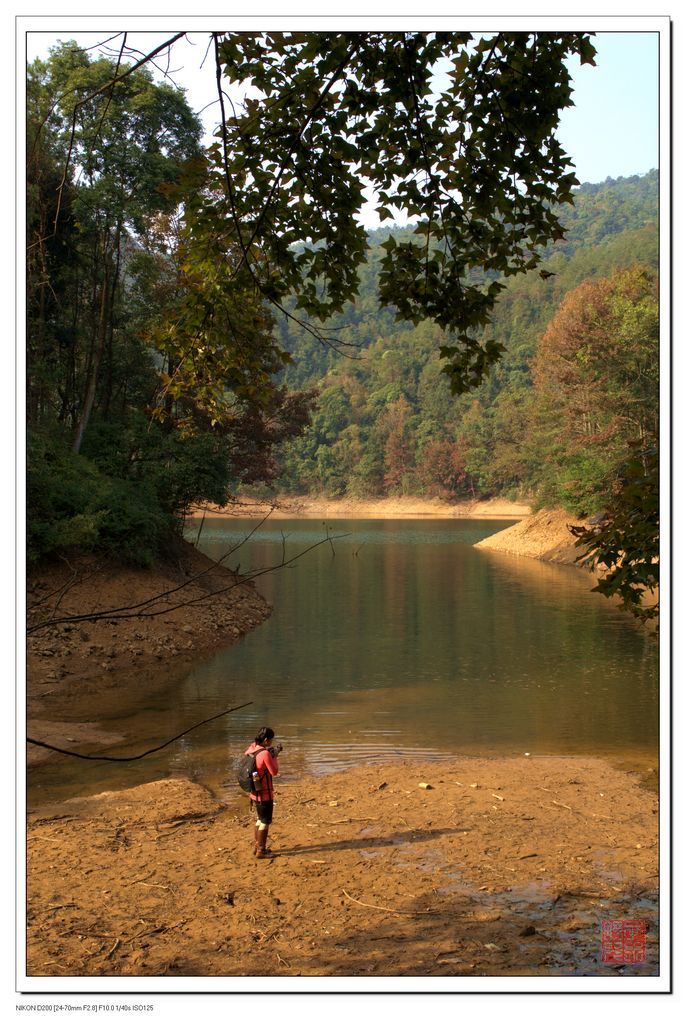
261	850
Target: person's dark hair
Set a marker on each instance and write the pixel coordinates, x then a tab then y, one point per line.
265	735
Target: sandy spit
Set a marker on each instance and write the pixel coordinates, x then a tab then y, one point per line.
544	535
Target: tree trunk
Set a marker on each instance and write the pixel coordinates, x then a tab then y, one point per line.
99	348
110	325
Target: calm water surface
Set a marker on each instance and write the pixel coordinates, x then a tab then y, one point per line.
397	640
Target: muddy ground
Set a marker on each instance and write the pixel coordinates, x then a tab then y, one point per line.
504	867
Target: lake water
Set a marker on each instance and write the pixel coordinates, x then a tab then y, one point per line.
398	639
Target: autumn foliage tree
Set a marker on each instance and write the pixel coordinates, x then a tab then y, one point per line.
399	454
596	376
441	469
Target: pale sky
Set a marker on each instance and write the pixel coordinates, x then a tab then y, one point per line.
612	130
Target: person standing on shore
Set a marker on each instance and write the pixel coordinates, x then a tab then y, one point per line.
266	767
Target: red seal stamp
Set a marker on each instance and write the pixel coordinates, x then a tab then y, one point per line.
623	942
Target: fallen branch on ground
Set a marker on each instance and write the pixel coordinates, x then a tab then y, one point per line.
388	910
53	621
347	821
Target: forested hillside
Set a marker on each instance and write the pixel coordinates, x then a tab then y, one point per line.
576	387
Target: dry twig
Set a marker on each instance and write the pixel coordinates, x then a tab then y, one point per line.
347	821
388	910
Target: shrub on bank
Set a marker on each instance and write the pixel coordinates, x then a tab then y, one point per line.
73	503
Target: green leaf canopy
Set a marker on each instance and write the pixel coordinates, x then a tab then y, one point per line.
453	130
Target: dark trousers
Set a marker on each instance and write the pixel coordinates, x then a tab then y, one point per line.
264	810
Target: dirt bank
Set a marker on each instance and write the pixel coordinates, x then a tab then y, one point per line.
289	507
507	866
65	658
544	535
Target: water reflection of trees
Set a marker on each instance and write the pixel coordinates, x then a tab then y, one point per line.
437	646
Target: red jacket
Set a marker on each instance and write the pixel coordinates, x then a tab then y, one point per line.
267	765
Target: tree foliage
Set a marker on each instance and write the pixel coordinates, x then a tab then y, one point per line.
596	385
471	153
152	353
152	369
568	417
625	545
115	149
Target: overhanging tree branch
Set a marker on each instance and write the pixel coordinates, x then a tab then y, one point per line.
242	244
136	757
134	611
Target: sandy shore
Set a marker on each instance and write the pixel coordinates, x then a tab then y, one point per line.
544	535
506	866
290	507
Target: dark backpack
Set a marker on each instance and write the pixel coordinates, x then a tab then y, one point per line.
245	772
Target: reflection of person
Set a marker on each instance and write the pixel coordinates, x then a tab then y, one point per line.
266	766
